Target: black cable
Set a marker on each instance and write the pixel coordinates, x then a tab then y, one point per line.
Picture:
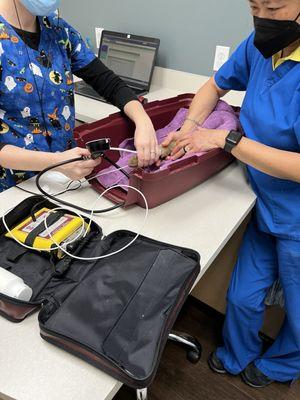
115	165
34	208
65	203
40	174
68	189
25	190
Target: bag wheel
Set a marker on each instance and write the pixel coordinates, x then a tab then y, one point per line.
142	394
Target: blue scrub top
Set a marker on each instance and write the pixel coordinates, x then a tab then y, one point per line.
28	76
270	115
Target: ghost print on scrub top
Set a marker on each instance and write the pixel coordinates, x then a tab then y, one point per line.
26	112
78	48
28	139
66	113
36	69
10	83
37	92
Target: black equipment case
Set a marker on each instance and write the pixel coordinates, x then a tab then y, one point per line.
115	313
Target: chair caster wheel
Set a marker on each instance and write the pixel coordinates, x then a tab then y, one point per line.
142	394
193	356
192	346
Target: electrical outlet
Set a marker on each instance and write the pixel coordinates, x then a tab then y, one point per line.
221	56
98	32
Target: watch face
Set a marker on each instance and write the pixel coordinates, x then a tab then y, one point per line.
234	137
231	140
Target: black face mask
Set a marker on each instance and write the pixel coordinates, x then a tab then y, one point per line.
272	35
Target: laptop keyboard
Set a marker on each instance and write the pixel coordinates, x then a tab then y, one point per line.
84	89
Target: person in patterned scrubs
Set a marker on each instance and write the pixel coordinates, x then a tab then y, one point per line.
39	53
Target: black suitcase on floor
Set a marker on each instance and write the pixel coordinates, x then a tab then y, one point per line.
116	313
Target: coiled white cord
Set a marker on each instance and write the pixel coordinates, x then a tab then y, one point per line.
52	248
124	150
82	181
103	173
98	175
58	246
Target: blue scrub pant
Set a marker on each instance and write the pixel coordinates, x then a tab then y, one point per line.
263	259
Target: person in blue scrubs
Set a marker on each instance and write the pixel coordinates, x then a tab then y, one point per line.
39	53
267	67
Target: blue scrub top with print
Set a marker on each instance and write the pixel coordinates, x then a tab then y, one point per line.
37	89
270	115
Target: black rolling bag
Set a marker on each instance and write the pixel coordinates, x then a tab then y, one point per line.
115	313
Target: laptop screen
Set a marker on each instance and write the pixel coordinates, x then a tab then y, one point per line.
129	56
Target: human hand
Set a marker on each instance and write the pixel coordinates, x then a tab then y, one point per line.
173	136
79	169
146	144
199	140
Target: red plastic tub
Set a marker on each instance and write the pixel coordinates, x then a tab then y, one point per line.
158	187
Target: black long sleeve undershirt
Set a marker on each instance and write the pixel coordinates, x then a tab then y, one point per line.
96	74
106	83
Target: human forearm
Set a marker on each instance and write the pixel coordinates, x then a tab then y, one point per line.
145	137
278	163
202	105
135	111
106	83
13	157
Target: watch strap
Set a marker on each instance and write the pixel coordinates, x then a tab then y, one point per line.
232	140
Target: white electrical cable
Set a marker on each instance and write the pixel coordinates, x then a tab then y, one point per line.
82	181
51	237
104	173
68	188
93	209
124	150
58	246
97	175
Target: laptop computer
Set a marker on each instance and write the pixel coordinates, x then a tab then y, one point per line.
131	57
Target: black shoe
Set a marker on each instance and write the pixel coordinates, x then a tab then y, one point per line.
254	377
216	364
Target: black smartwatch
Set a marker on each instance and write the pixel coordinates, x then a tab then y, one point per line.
232	140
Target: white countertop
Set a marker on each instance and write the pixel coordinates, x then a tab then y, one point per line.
166	83
203	219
